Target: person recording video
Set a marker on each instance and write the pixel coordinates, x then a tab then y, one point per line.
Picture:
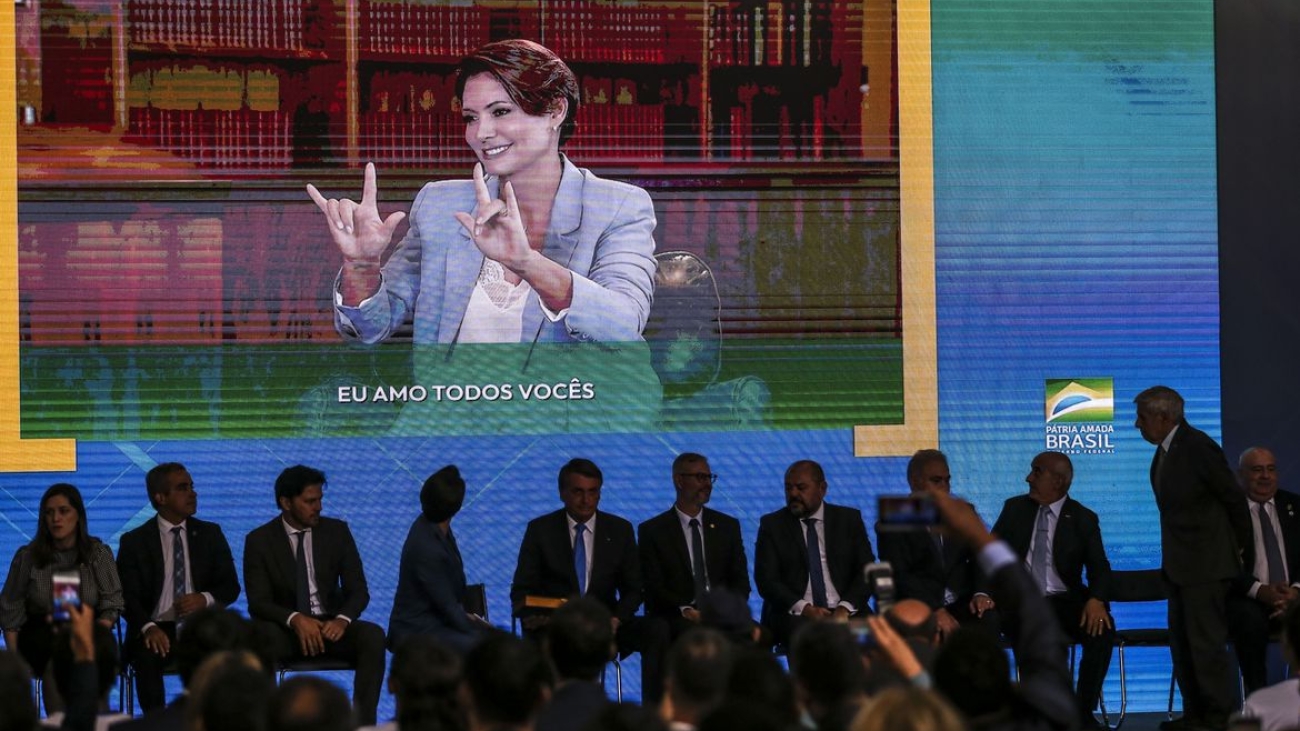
62	546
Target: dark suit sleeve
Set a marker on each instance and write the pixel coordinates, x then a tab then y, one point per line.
528	569
132	563
658	597
767	571
1004	528
351	574
1212	469
219	578
737	565
1094	559
260	591
858	592
630	588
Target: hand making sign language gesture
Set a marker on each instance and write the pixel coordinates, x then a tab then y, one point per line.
361	235
495	226
532	248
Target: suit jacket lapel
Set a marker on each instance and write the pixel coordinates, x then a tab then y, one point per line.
559	246
714	554
1286	518
462	267
284	553
565	536
197	548
600	558
678	540
157	566
800	535
1060	536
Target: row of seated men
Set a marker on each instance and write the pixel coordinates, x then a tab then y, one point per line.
718	676
304	576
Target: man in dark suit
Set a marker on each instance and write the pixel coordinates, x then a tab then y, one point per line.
305	582
1268	583
971	668
810	533
690	550
578	551
1057	538
1204	528
430	597
171	566
931	569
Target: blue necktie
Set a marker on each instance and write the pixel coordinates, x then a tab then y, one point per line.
580	556
178	568
815	577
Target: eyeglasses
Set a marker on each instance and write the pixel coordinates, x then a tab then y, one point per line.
700	476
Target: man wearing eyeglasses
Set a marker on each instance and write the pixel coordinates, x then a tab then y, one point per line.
809	556
690	550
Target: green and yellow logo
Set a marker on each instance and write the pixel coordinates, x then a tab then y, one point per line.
1079	400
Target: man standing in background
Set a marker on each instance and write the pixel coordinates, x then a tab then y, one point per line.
1204	529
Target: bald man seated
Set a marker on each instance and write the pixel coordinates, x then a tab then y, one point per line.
1058	538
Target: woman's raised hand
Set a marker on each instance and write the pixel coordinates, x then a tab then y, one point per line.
361	235
495	226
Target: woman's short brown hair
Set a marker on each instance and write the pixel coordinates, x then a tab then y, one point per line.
535	78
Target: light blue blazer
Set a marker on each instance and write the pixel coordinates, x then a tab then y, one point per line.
601	230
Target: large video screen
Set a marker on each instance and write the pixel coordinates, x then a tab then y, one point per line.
878	227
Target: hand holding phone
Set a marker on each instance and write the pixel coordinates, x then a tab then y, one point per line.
916	511
67	594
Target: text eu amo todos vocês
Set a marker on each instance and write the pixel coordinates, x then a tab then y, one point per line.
571	390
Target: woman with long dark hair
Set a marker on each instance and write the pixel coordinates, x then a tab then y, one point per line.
62	544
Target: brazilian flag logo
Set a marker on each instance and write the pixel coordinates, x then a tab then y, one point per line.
1079	400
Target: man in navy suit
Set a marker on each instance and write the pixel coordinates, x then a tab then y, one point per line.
810	533
1057	538
171	567
1268	584
579	551
676	579
1204	530
307	586
430	597
931	569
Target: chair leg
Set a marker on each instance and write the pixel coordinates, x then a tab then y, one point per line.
126	691
1173	683
618	680
1123	689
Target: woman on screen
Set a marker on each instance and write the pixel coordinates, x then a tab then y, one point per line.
62	547
532	249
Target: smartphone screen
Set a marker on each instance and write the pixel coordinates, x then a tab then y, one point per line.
67	593
906	512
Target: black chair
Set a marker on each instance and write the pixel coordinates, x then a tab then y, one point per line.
1143	585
